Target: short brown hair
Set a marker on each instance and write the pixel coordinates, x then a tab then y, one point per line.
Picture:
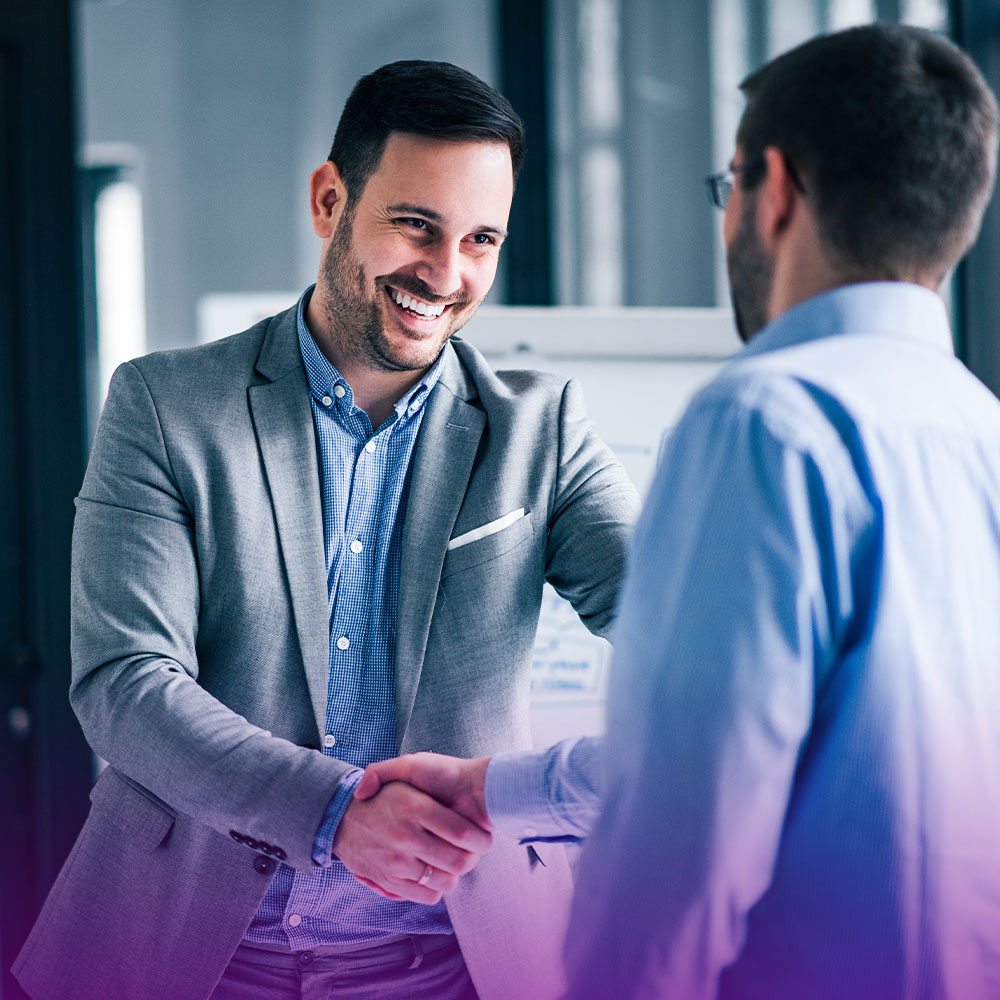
894	132
435	99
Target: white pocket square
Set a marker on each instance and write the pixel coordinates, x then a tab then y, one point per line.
491	528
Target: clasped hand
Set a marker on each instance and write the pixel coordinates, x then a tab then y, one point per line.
416	824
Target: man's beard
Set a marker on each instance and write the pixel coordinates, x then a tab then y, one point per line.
751	273
356	316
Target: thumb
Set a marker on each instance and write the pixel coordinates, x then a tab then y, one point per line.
369	784
381	773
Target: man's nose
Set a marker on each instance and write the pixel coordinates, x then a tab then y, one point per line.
440	268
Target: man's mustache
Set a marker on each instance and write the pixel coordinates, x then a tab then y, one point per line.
410	285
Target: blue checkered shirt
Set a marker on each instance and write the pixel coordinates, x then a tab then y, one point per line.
364	479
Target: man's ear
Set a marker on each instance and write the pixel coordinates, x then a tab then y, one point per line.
327	198
777	198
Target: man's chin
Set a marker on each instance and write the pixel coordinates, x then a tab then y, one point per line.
747	314
407	357
399	348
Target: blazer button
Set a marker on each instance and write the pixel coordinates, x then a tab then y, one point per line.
264	865
279	853
237	836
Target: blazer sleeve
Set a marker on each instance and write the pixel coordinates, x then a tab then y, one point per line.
594	508
135	608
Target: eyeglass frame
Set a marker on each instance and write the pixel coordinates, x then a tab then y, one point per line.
720	186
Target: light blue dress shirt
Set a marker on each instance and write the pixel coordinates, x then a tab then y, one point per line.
546	795
803	750
364	482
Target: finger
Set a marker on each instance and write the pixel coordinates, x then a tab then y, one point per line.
411	891
454	828
375	887
436	879
441	854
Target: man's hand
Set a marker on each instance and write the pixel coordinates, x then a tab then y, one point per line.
389	840
458	783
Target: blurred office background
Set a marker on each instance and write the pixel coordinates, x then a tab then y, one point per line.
155	152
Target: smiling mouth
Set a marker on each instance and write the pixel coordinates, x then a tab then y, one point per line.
414	307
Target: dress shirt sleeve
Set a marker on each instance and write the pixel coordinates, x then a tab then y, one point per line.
322	853
551	794
737	596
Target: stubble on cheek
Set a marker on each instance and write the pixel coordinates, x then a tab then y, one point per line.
751	273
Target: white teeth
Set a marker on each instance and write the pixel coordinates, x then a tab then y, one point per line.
415	305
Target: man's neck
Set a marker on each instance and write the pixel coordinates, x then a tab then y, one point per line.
376	391
802	269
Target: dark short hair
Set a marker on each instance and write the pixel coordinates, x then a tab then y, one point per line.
434	99
894	133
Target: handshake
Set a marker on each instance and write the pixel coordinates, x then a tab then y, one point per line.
416	824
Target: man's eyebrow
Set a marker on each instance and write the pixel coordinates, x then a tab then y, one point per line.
408	206
429	213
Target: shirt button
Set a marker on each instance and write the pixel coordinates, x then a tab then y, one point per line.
356	546
339	391
294	920
326	401
530	831
329	740
370	447
343	642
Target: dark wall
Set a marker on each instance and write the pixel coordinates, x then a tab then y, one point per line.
45	764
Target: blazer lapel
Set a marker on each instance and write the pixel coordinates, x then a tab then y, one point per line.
283	421
442	464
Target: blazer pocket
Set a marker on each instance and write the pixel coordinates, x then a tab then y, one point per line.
127	807
488	547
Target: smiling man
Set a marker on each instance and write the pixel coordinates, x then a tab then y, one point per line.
315	545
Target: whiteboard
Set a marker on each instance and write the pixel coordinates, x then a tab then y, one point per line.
638	369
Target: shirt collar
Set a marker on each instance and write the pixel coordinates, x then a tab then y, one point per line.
889	308
324	379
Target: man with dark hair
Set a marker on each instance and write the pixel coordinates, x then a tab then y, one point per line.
311	546
807	802
802	769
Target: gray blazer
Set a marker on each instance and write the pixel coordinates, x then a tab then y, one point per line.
200	651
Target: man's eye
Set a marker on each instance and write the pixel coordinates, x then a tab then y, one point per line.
483	239
419	224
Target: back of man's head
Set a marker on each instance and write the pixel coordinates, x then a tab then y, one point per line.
435	99
894	132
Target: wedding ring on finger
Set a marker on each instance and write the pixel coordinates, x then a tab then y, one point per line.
426	877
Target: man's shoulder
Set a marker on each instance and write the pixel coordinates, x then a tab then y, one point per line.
778	396
477	378
194	387
233	354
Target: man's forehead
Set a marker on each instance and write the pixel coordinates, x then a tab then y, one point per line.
406	143
436	177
